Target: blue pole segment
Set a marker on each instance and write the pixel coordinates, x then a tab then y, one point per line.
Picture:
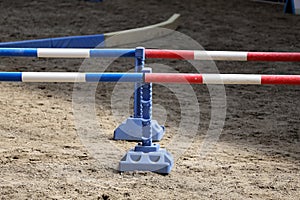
11	76
114	77
139	66
112	53
20	52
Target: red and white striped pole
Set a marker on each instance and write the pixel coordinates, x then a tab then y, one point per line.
224	55
239	79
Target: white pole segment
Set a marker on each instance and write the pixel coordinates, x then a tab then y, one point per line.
52	77
231	79
220	55
62	53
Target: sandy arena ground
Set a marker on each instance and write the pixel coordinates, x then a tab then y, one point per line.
256	157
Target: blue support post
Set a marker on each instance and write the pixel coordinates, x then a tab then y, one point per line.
147	156
132	128
146	113
139	66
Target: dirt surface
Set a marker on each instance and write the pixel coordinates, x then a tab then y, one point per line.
257	155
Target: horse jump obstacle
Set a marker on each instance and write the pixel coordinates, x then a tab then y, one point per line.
152	53
148	156
182	78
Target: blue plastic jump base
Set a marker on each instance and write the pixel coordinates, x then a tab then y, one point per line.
146	156
158	161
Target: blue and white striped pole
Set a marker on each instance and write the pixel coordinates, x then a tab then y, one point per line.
65	53
70	77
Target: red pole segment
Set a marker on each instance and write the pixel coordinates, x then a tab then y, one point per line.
169	54
280	79
274	56
173	78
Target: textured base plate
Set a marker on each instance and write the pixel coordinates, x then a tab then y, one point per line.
159	161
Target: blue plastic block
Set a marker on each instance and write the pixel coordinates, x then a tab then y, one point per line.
159	161
131	130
